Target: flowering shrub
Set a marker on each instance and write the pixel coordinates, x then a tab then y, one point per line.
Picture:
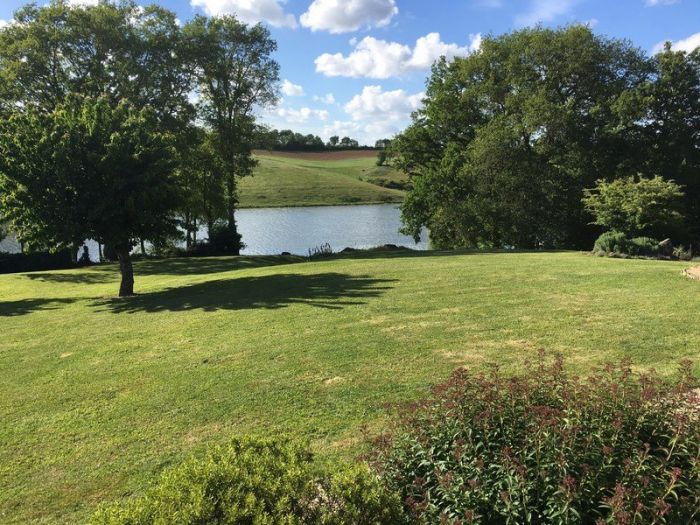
548	447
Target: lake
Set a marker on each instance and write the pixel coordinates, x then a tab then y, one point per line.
270	231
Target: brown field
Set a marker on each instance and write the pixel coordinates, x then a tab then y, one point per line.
322	155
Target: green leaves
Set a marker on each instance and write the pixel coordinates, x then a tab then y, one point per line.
636	206
510	137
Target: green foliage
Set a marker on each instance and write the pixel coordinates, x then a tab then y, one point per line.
549	447
381	157
224	240
87	170
258	481
509	137
35	261
235	74
636	206
614	242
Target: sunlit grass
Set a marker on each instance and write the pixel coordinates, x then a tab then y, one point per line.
287	181
99	394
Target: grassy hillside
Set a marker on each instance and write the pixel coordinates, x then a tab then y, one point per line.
99	394
289	179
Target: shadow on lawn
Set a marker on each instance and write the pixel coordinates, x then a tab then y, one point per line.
325	290
74	277
27	306
203	265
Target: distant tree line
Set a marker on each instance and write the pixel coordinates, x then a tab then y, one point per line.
121	125
512	136
288	140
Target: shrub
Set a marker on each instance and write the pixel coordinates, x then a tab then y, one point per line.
258	481
224	240
319	252
636	206
643	247
35	261
618	243
682	253
548	447
611	242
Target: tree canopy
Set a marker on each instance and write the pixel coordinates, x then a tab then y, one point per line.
92	75
510	136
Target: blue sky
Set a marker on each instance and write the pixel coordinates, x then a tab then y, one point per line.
358	67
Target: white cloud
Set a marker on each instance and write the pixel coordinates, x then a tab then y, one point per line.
652	3
3	23
328	98
249	11
342	16
375	103
292	90
685	44
545	11
375	58
298	116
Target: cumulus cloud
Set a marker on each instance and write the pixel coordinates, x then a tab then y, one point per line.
299	116
379	105
342	16
3	23
328	98
685	44
545	11
249	11
292	90
373	58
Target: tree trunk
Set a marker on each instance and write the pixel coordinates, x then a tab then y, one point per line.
99	251
126	288
143	247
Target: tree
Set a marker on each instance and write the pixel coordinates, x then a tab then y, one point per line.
510	136
636	206
201	177
236	74
662	120
116	52
88	169
333	141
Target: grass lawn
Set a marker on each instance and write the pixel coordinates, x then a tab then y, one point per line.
99	394
295	180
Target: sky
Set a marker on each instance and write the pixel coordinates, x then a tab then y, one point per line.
358	67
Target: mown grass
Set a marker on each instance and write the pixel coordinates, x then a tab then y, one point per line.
290	181
100	394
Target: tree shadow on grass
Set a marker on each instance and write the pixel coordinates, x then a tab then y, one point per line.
75	277
27	306
325	290
202	265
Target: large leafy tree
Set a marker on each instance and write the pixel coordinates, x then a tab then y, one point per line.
116	53
510	136
662	119
88	169
235	75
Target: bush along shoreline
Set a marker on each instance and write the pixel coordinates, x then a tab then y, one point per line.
617	447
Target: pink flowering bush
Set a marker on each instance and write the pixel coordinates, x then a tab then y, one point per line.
548	447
